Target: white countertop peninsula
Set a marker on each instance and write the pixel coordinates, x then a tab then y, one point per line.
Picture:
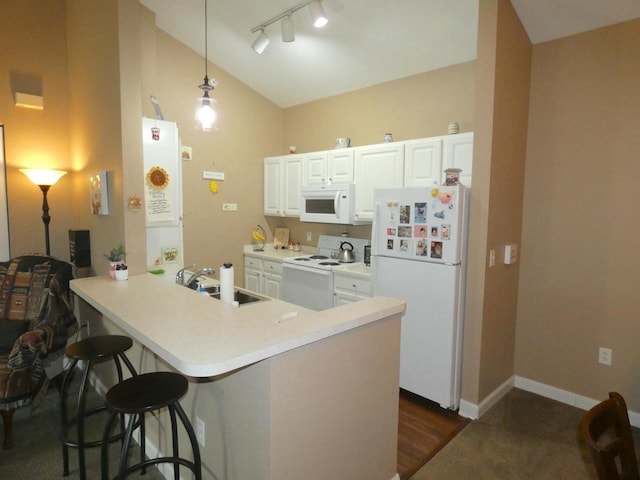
284	392
214	337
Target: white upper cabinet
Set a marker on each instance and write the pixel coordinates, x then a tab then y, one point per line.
458	153
423	162
316	168
333	166
272	185
282	181
376	166
412	163
340	165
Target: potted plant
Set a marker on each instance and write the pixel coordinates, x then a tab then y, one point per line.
122	272
116	257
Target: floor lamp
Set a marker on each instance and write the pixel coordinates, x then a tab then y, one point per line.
44	179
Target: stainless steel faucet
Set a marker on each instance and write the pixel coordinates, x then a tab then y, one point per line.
180	274
191	283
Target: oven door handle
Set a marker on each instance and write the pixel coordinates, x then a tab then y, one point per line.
285	266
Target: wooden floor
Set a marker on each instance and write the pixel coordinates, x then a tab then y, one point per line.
423	429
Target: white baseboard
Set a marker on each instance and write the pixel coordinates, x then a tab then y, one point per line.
473	411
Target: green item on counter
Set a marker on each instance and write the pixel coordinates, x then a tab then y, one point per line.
158	271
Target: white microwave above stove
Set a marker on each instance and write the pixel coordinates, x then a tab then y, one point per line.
329	204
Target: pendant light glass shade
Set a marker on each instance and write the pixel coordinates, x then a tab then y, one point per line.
206	112
317	14
260	43
288	32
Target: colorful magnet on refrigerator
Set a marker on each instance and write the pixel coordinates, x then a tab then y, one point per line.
434	195
445	197
439	214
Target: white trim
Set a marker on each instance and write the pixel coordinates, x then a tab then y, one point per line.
473	411
396	477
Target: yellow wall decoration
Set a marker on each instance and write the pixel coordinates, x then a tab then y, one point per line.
213	186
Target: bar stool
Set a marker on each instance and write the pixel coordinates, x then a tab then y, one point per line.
89	350
143	394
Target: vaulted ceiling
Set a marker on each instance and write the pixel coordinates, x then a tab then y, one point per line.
366	42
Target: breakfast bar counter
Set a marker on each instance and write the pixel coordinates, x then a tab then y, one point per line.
202	337
284	392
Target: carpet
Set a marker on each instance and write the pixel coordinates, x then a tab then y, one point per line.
524	436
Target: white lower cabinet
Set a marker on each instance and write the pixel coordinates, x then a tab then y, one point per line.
349	289
263	276
272	278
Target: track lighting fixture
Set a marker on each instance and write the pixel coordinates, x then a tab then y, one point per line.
261	42
206	111
288	32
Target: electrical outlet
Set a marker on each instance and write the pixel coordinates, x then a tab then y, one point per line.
229	207
308	236
605	356
200	431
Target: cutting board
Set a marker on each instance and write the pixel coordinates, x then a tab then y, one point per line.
281	237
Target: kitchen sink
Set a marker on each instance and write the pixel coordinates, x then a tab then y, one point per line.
239	296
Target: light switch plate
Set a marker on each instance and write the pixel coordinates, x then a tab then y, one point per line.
510	254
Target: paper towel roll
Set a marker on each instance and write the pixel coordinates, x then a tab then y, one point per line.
226	283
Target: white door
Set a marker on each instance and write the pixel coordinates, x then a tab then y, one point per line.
340	166
377	166
272	285
272	186
316	168
252	280
458	153
423	162
291	184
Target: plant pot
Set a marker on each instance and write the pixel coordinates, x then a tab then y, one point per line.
112	268
122	274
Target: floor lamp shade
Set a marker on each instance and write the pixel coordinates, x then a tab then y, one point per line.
44	179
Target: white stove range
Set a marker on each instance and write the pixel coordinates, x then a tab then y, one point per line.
313	261
307	280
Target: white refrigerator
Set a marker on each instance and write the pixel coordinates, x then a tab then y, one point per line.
419	255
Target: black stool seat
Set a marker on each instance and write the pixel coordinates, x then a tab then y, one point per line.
89	350
146	393
102	346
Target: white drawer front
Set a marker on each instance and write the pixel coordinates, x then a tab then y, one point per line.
272	267
347	282
253	263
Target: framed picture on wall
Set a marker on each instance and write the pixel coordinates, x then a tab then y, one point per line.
99	194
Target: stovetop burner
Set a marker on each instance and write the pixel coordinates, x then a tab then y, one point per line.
319	257
329	263
302	259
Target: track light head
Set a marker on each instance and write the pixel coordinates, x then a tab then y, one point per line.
317	14
260	43
288	32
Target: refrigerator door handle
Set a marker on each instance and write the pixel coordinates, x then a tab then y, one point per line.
376	222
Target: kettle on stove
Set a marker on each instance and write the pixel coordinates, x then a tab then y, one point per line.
346	255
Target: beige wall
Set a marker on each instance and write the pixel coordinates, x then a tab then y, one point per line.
414	107
34	61
579	268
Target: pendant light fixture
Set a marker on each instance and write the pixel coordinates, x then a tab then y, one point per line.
206	107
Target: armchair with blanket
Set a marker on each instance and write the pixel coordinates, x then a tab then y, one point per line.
36	320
